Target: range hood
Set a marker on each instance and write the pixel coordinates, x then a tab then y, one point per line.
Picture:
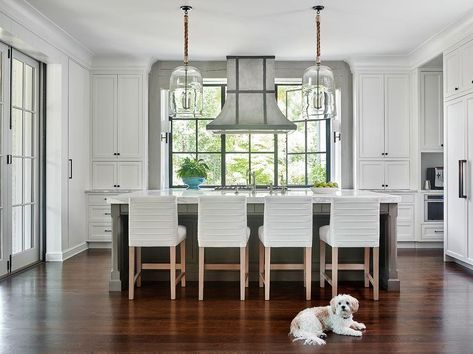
250	106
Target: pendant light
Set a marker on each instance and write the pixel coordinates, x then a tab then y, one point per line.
318	86
185	84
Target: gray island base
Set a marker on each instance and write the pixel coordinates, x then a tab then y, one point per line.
187	209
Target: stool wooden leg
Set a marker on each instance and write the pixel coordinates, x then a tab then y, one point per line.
305	267
267	267
334	271
322	264
308	272
261	264
172	251
201	273
138	266
242	272
131	273
367	267
183	263
376	273
247	262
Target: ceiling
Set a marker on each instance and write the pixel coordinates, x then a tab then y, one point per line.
285	28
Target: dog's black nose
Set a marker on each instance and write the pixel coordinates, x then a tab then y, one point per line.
343	307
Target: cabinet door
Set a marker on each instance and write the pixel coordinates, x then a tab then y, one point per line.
130	175
130	116
396	175
104	175
371	115
371	175
452	73
405	222
456	129
469	176
79	157
467	66
104	96
397	121
431	101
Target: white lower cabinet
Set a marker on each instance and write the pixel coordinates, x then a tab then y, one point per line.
432	232
99	218
124	175
383	174
406	222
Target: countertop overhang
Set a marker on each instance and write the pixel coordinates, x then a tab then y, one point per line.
186	196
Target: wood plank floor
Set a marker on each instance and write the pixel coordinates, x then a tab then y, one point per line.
58	308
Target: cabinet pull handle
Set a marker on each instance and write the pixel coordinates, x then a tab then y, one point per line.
456	88
108	213
438	232
461	179
108	230
118	185
70	168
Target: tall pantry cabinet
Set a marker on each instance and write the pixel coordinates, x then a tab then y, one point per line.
459	152
117	131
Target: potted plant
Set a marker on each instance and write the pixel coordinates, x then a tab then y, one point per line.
193	172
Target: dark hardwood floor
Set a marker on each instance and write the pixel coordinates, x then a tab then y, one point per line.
57	308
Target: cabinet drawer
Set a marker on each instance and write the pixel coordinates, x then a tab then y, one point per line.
100	213
405	232
432	232
99	199
100	232
405	223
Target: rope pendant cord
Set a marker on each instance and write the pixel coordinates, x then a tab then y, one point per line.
186	38
317	21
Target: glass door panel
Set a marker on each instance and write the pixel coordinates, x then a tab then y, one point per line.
23	174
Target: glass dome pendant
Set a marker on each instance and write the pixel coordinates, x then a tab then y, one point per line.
318	85
185	84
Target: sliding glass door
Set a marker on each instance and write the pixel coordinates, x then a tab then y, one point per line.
19	194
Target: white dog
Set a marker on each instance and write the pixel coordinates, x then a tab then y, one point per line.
309	324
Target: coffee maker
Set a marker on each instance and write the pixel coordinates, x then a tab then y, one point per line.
435	176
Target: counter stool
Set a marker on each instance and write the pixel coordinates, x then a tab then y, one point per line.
287	223
353	223
222	223
153	223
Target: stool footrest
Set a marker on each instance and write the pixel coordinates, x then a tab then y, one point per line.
222	266
347	266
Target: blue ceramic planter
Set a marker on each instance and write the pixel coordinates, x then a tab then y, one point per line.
193	182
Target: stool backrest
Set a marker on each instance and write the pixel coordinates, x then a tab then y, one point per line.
222	221
288	221
152	221
355	221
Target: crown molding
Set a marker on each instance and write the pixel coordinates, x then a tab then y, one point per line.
121	62
25	24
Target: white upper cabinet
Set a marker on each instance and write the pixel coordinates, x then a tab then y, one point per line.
431	111
452	73
458	67
371	114
104	94
129	175
117	117
129	116
467	66
104	175
396	116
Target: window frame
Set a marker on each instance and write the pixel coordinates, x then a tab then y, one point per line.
275	153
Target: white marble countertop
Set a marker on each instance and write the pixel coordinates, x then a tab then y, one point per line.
190	196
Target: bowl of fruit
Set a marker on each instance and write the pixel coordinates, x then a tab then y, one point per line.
325	187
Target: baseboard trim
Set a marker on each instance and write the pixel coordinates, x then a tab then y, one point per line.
93	244
420	245
62	256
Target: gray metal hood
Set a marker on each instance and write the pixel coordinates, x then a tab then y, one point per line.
250	106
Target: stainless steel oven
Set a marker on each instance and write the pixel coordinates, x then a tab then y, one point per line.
433	208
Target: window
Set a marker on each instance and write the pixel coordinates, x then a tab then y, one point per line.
297	159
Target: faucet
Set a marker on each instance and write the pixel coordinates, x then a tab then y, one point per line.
270	188
253	187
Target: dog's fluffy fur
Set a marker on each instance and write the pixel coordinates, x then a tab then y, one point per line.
309	324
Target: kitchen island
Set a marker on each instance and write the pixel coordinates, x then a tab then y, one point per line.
187	209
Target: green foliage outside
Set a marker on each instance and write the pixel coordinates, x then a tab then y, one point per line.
187	135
